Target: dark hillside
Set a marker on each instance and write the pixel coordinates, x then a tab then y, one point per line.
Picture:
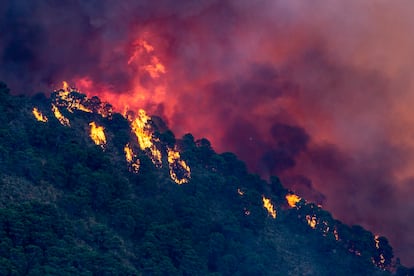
69	206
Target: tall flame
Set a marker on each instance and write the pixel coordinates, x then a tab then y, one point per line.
143	131
336	234
269	206
62	119
65	86
177	165
38	115
292	199
97	134
131	159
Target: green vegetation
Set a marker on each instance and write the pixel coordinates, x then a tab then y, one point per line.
69	208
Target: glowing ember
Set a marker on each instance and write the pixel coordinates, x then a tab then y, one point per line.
269	207
179	170
62	119
38	115
240	192
376	239
246	212
131	159
312	221
336	235
292	199
143	131
97	134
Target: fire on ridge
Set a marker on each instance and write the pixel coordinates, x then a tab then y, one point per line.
269	206
97	134
141	126
39	115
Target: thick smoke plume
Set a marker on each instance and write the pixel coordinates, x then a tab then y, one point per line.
318	92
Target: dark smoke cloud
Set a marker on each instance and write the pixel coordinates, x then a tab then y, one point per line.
318	92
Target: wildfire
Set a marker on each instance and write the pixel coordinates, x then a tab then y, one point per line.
62	119
144	50
155	68
381	261
312	221
336	235
65	86
142	129
131	159
292	199
38	115
269	206
97	134
376	239
71	99
179	170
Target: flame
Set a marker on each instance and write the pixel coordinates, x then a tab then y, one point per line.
140	46
312	221
240	192
65	86
292	199
38	115
155	68
144	62
97	134
142	129
145	52
336	235
71	99
376	239
269	206
176	164
381	261
131	159
62	119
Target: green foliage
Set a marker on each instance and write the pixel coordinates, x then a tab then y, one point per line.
69	208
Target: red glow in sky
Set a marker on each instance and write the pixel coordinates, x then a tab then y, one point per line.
319	93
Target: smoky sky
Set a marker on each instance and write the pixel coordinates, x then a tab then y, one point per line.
319	93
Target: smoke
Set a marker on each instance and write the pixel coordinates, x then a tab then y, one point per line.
317	92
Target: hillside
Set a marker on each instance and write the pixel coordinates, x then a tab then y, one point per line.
87	191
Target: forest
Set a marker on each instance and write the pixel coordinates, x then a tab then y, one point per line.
70	205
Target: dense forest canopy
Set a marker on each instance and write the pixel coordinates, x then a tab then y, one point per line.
88	191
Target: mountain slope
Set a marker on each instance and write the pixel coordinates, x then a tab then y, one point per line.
139	201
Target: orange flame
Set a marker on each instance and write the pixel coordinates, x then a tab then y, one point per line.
176	163
65	86
336	235
38	115
376	239
269	206
292	199
131	159
62	119
143	131
97	134
312	221
155	68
